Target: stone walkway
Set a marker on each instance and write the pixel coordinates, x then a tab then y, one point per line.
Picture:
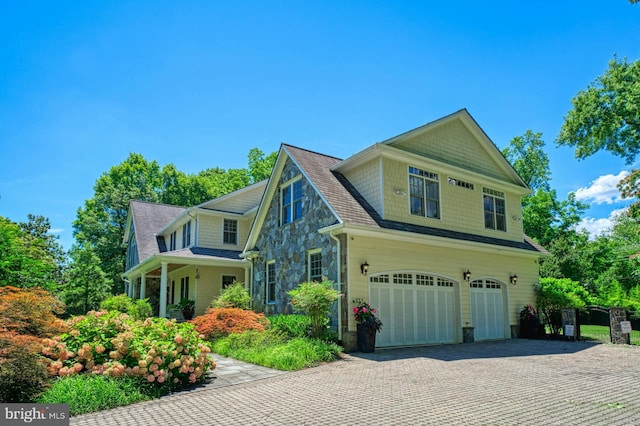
514	382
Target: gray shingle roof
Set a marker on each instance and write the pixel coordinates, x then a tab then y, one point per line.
352	208
148	220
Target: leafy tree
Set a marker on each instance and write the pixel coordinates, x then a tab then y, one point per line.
606	115
553	294
526	155
315	299
87	284
28	255
260	166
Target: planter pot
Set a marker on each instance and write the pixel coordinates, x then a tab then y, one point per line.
366	338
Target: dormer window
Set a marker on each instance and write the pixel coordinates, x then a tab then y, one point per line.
424	192
291	202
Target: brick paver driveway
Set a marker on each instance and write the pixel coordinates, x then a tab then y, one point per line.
511	382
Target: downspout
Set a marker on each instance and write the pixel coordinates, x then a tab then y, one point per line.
339	278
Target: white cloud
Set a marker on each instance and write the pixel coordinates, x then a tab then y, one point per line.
603	190
595	227
56	230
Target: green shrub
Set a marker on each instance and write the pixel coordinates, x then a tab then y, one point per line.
292	325
315	299
168	354
23	375
234	296
89	393
137	309
272	349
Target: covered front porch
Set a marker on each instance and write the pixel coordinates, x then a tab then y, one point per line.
195	274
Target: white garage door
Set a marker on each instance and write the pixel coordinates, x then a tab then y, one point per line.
487	313
414	308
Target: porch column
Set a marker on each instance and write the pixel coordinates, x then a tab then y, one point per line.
163	291
143	279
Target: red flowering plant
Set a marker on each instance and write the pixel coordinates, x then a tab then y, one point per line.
365	314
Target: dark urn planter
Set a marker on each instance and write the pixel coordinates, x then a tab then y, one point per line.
366	337
531	329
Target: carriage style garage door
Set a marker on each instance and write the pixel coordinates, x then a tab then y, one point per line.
414	308
487	313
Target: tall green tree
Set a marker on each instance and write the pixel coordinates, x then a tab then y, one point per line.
29	256
606	115
87	285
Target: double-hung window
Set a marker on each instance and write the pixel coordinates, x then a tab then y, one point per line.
424	193
230	231
314	266
494	210
270	290
291	202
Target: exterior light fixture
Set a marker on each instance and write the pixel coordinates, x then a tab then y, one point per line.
466	275
364	268
513	279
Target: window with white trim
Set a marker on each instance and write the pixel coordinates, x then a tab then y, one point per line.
172	241
314	266
270	283
186	235
291	202
227	280
424	193
184	288
494	210
230	231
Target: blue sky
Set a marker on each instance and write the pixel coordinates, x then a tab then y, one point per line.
200	83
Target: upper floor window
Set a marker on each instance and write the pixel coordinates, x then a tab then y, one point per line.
270	290
172	241
424	193
494	210
186	234
291	202
314	266
132	252
230	231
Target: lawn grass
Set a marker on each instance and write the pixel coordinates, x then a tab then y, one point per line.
87	393
275	350
601	333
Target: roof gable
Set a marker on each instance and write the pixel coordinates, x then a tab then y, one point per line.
148	220
459	141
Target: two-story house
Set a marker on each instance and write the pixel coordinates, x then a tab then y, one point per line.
425	226
177	252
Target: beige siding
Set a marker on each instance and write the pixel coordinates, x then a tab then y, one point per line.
461	209
389	256
242	202
366	179
209	284
453	143
210	231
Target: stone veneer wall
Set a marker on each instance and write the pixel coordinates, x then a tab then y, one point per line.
288	245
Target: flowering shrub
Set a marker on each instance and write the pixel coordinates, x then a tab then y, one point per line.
220	322
110	343
365	314
529	313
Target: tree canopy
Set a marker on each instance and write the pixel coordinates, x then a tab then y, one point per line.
606	115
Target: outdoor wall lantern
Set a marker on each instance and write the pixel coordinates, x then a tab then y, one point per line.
466	275
513	279
197	273
364	268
